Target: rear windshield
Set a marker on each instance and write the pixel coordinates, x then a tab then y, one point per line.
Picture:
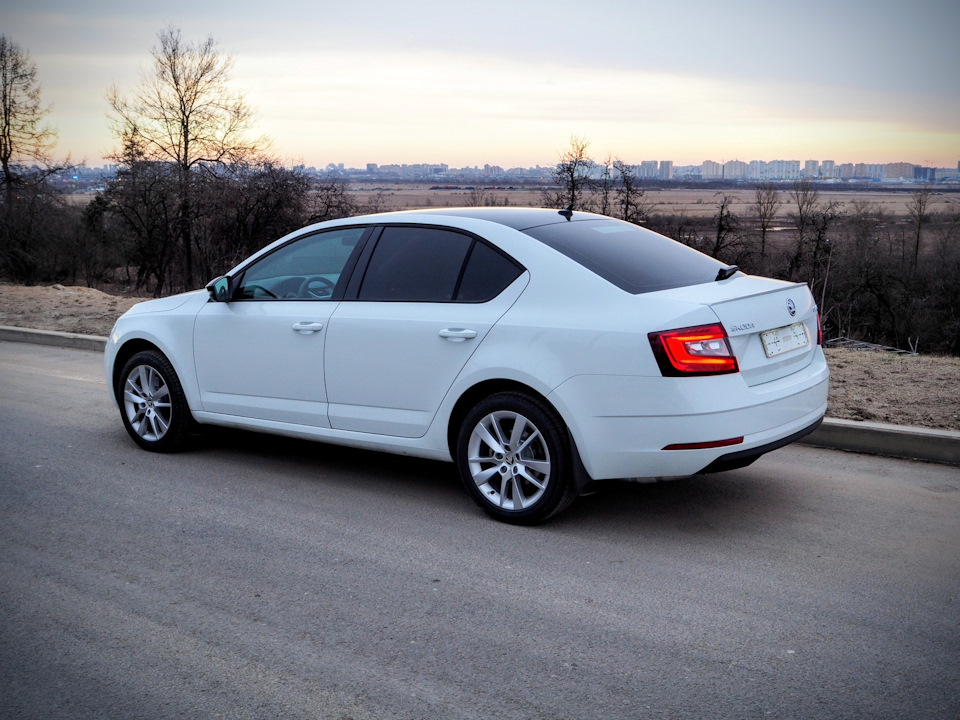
632	258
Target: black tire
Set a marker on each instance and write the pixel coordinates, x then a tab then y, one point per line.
513	455
152	404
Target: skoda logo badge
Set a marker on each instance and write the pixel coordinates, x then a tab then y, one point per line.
791	307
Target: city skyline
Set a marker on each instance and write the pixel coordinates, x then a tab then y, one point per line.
862	82
662	170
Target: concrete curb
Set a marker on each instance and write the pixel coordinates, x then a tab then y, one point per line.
53	337
939	446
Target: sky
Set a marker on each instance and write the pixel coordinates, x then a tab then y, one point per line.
509	82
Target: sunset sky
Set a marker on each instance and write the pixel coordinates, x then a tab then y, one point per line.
508	83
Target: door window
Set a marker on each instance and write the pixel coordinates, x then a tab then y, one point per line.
308	268
414	264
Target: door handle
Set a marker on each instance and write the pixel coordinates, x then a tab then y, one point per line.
305	328
458	334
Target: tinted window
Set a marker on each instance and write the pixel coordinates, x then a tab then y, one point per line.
487	275
632	258
415	264
306	269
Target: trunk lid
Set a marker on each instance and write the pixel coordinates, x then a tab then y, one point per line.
755	309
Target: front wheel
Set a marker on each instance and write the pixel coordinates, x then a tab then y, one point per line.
514	459
152	404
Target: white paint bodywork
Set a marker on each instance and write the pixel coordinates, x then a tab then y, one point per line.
387	376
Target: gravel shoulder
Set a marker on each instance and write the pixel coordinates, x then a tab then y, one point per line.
917	390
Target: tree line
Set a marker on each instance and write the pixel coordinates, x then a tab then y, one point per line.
888	279
196	192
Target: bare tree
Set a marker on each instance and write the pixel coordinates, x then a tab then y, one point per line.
572	176
632	204
604	188
766	203
806	198
23	134
331	199
37	229
918	208
477	196
184	113
725	224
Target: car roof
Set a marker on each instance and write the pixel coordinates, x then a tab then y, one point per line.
512	217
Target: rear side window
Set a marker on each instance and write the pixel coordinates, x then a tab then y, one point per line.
429	264
414	264
634	259
488	273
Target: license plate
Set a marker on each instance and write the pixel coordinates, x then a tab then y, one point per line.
785	339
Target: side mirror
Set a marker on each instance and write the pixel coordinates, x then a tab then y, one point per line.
220	289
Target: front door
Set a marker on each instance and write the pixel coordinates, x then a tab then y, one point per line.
260	355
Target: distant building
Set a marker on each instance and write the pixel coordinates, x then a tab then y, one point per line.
811	169
899	171
734	170
648	169
828	169
756	170
867	171
666	170
687	171
783	170
711	170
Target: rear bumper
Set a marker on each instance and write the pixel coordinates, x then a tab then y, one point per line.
734	460
622	423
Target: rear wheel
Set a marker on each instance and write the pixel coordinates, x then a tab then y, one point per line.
152	404
514	459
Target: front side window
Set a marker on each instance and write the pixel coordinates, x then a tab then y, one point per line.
308	268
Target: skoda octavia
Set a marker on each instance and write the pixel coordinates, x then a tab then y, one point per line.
540	351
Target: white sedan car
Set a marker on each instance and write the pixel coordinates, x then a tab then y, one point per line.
540	351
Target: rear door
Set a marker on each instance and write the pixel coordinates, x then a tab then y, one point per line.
426	301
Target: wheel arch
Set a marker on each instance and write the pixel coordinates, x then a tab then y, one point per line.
130	347
125	352
486	388
474	394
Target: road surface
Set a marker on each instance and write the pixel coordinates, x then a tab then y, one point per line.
257	577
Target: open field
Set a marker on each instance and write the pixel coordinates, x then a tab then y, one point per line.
918	390
693	202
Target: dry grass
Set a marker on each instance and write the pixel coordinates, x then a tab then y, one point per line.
901	389
920	390
67	309
693	202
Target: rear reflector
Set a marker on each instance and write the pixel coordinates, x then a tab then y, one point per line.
705	445
701	350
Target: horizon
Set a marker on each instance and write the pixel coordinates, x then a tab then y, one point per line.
432	83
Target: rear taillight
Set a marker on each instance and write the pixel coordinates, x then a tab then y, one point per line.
819	329
702	350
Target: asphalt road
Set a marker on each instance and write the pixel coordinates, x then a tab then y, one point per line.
259	577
